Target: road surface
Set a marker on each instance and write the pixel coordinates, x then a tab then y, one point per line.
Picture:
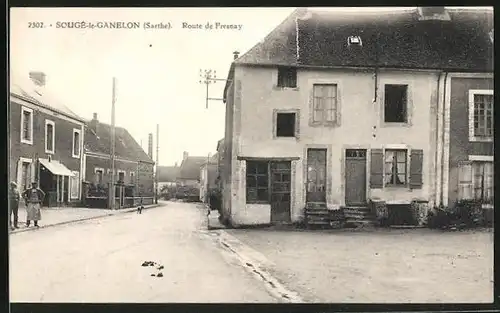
100	261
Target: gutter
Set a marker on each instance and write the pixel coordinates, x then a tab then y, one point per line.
436	168
441	116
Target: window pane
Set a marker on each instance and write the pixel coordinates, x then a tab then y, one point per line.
401	156
262	194
262	181
251	194
262	168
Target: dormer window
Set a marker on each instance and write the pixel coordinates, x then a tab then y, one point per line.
354	40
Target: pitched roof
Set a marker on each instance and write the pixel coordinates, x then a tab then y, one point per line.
220	144
24	88
168	173
190	167
125	145
398	40
389	39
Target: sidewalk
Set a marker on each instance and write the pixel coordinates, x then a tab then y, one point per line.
64	215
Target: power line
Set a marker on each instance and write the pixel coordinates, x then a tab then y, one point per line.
207	77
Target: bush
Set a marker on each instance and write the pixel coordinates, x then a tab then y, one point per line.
439	218
465	214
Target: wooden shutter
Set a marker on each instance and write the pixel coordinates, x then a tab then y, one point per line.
465	180
377	169
416	163
338	106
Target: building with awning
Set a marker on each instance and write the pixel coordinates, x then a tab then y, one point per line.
46	140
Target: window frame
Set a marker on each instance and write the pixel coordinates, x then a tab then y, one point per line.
118	175
338	108
407	106
297	123
53	124
79	132
279	69
470	163
472	94
323	120
409	101
31	111
268	187
77	185
96	169
407	167
132	177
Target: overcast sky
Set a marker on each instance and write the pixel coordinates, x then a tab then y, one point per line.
157	71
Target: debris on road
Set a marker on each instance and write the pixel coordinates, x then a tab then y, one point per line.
159	275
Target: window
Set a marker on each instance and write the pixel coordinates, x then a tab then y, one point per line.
476	181
257	182
26	125
121	176
481	115
395	167
396	104
75	185
76	143
25	175
49	136
316	175
98	175
285	124
324	108
132	177
287	77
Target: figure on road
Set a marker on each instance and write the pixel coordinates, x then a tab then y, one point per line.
13	205
34	197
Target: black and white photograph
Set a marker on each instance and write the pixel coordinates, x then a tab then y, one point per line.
251	155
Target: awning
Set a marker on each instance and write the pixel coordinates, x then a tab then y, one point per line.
56	167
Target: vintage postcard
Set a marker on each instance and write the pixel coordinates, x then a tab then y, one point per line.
251	155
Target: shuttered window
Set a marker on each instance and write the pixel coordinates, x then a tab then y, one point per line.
257	177
393	170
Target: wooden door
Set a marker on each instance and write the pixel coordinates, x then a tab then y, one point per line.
355	177
280	191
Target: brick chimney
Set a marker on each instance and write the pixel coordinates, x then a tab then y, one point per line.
236	54
39	78
185	155
94	123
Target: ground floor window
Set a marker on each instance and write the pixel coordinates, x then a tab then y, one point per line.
316	175
257	182
396	167
25	175
75	185
267	179
476	181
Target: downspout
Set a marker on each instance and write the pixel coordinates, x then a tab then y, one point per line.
442	139
436	171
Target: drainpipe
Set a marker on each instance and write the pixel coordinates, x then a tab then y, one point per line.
436	171
442	139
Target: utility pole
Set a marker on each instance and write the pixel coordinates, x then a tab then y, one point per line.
112	185
208	77
156	172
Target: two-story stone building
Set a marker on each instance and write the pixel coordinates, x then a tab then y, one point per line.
46	141
332	109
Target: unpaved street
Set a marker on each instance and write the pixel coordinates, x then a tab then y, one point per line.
401	266
100	261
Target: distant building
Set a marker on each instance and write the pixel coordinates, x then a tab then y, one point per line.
208	177
133	167
45	140
167	175
189	174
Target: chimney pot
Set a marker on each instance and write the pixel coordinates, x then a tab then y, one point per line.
94	116
39	78
236	54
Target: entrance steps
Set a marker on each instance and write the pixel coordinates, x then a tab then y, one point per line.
358	216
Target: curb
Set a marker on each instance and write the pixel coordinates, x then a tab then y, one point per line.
128	210
255	263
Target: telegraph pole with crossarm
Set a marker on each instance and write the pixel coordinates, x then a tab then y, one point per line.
208	77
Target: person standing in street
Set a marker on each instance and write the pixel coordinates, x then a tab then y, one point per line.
13	205
34	198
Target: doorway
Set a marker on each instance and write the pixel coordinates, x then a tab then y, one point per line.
355	177
280	191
